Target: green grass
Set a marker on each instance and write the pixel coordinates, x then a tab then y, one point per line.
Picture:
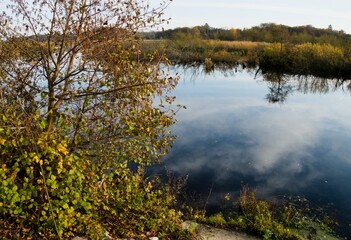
260	218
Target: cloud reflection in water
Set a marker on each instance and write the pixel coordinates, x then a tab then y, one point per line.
230	135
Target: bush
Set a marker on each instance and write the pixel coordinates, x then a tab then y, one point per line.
216	220
138	205
48	192
77	105
44	190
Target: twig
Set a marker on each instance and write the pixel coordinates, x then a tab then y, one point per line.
208	197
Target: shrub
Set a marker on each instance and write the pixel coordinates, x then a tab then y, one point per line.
78	104
216	220
44	190
48	192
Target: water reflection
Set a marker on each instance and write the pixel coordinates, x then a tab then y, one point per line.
231	136
321	85
279	87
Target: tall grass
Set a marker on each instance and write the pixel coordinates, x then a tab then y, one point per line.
323	60
194	50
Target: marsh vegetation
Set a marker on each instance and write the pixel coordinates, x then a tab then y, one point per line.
295	50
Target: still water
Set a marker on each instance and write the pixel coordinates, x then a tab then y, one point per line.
281	135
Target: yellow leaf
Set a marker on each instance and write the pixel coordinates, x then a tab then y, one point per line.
70	210
2	141
62	149
36	159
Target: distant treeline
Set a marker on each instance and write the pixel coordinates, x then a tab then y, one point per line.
266	32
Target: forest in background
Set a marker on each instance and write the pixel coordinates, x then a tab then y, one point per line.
266	32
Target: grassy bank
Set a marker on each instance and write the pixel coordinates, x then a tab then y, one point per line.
285	220
323	60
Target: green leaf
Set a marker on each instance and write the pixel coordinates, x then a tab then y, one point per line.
54	185
5	183
43	124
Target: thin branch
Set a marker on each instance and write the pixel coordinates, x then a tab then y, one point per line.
109	91
22	78
71	74
53	21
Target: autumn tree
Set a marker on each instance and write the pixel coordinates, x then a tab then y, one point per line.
79	62
75	85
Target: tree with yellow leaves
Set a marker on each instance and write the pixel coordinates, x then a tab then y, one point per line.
79	102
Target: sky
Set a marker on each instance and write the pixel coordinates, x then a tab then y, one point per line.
247	13
244	14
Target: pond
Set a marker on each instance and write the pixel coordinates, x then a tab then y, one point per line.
279	134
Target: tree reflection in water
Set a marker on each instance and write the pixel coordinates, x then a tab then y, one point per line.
279	88
280	85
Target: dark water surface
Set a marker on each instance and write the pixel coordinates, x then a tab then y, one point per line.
279	134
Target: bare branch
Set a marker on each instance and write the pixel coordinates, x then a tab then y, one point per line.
108	91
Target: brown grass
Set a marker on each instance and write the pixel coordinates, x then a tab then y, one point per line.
237	44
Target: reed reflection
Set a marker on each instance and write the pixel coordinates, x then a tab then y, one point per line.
281	86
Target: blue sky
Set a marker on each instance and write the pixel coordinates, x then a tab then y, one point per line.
248	13
244	14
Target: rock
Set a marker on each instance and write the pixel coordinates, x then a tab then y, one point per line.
205	232
190	226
